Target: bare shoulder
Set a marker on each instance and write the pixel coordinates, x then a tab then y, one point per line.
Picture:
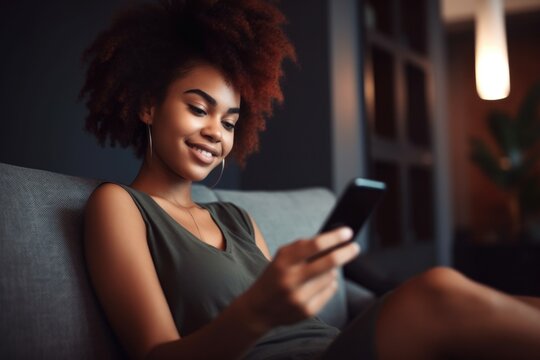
111	216
109	200
123	273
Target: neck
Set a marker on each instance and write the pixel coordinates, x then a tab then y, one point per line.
157	180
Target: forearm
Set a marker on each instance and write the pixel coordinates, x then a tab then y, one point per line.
229	336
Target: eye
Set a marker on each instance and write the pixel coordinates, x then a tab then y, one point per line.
228	125
196	110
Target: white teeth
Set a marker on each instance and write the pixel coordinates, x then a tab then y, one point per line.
204	152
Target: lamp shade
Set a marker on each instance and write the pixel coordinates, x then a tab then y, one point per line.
492	73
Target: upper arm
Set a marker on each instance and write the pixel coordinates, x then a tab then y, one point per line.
123	273
259	240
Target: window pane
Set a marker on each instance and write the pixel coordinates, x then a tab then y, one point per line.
418	129
387	219
383	77
422	211
413	24
378	15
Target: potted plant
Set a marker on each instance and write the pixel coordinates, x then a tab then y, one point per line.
514	166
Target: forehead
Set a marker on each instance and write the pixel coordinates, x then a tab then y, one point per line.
210	80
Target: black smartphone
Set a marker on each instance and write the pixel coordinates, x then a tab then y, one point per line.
352	209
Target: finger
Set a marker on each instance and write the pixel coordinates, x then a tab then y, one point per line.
334	259
300	298
301	250
318	301
303	272
315	285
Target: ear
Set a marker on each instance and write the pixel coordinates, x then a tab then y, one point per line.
146	115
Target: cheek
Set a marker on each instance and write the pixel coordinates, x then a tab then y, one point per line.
229	143
177	119
180	128
169	134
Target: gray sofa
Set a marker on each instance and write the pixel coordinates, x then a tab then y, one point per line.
47	305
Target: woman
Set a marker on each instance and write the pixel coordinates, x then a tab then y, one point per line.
181	82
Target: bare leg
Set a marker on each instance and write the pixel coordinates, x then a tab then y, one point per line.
443	315
532	301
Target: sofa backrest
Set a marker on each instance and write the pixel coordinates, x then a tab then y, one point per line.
48	307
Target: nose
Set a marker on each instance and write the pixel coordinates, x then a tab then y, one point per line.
212	130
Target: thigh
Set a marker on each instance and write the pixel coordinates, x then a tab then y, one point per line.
357	340
529	300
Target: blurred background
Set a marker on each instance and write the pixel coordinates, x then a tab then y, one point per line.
384	89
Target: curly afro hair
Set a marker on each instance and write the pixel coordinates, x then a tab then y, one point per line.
148	46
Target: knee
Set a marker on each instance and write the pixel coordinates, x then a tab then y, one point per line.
438	282
431	308
445	294
420	311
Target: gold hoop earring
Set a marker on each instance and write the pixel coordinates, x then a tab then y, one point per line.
149	140
220	173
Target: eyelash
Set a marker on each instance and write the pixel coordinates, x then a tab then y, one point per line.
197	111
228	126
200	112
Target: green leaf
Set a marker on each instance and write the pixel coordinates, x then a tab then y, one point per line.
504	131
518	140
488	163
527	118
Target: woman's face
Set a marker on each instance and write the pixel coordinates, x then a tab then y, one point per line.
193	128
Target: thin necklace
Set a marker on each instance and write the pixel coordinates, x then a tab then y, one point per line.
187	208
193	218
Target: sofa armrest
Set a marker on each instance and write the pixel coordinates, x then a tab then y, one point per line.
372	278
358	298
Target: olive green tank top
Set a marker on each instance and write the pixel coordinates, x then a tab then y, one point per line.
199	280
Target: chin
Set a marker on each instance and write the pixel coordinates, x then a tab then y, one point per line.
196	175
198	178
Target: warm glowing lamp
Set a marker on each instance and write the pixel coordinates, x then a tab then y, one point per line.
492	74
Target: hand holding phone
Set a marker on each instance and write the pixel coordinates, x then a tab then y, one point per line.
352	209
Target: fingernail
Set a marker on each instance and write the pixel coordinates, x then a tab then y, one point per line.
346	233
356	247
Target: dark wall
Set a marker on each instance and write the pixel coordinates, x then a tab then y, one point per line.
41	75
296	150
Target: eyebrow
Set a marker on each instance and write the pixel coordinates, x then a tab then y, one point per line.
209	99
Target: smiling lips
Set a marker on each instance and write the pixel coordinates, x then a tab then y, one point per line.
204	152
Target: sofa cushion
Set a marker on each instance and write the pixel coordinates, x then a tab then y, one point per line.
48	306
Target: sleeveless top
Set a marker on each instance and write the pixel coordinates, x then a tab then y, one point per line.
199	280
